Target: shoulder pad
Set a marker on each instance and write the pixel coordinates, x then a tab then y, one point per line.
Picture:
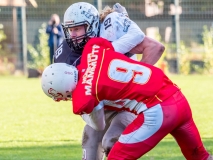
64	54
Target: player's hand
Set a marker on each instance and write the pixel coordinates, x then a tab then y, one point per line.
120	9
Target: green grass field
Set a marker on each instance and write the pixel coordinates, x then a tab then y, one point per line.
34	127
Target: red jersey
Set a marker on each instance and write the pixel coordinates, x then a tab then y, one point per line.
117	82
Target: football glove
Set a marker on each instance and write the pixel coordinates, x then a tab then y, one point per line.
120	9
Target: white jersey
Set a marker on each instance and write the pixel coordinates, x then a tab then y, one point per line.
121	31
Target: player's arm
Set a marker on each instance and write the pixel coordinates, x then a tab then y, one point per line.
96	119
82	104
85	106
133	37
121	31
151	50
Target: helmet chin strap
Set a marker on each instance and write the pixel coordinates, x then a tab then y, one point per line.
80	45
84	40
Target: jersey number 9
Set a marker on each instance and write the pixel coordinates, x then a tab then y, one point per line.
124	72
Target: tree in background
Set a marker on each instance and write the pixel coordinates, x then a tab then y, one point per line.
6	56
39	55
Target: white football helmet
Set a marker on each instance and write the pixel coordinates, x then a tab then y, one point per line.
59	80
81	13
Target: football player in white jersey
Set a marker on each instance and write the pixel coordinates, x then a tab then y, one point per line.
125	35
81	22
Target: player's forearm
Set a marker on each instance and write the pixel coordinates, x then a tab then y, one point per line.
151	50
132	38
153	54
126	42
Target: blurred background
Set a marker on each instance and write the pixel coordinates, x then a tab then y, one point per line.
184	27
35	127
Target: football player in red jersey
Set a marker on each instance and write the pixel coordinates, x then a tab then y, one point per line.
107	79
81	23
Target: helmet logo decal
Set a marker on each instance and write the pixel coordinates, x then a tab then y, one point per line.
54	93
89	14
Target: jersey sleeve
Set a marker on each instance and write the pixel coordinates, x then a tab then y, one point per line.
121	31
82	105
83	98
64	54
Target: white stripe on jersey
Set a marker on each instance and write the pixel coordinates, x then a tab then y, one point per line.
132	105
153	120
